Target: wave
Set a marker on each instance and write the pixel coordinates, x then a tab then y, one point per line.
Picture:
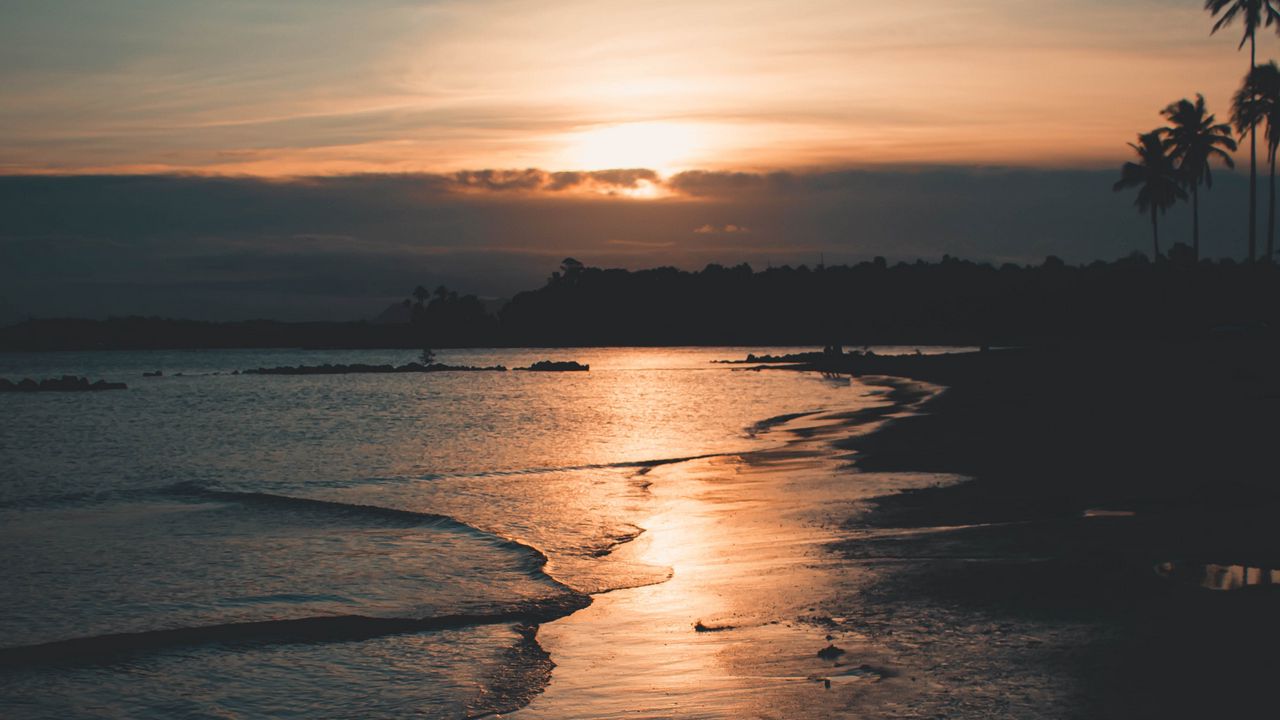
776	420
189	489
536	560
351	627
329	628
573	468
292	503
46	501
617	539
324	629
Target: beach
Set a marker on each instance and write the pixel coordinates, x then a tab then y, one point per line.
248	545
739	628
1111	555
995	540
1006	533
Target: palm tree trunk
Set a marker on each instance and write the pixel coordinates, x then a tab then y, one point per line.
1271	212
1155	237
1195	221
1253	163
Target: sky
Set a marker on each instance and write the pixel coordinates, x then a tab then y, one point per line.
200	145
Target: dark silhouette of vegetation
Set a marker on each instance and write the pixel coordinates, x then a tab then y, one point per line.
1196	138
1156	178
461	318
1252	14
948	302
1256	102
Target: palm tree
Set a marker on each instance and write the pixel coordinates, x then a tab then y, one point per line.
1258	101
1155	177
1196	138
1267	81
1253	13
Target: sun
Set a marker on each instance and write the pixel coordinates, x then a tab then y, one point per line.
661	146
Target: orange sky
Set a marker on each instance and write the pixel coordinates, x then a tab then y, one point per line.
328	87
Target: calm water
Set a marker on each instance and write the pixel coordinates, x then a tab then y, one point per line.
217	516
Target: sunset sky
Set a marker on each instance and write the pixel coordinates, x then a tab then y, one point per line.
529	99
326	87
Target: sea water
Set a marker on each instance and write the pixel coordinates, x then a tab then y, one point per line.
210	544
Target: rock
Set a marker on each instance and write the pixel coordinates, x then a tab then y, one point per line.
66	383
361	368
557	366
830	652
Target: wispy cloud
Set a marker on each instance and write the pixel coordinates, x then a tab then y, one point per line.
729	229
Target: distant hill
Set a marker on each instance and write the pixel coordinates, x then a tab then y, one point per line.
397	313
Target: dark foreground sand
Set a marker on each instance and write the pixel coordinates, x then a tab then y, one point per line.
1068	578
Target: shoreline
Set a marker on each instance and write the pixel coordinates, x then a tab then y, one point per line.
738	628
1079	573
1056	580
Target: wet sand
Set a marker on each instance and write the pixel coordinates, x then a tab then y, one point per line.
737	629
1109	555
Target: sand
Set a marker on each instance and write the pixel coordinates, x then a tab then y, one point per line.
1069	575
738	628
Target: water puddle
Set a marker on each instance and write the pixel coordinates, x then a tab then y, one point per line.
1218	577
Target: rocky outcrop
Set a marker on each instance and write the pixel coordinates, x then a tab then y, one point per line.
354	368
66	383
557	366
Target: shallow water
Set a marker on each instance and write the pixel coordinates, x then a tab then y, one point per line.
370	545
1218	576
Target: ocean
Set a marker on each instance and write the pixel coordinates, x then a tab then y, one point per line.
207	544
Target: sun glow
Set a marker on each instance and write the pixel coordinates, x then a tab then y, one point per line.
664	147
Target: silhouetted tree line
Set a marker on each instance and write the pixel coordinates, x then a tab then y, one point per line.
461	320
950	302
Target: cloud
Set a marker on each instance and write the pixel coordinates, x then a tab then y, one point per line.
501	180
729	229
643	244
532	180
701	183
